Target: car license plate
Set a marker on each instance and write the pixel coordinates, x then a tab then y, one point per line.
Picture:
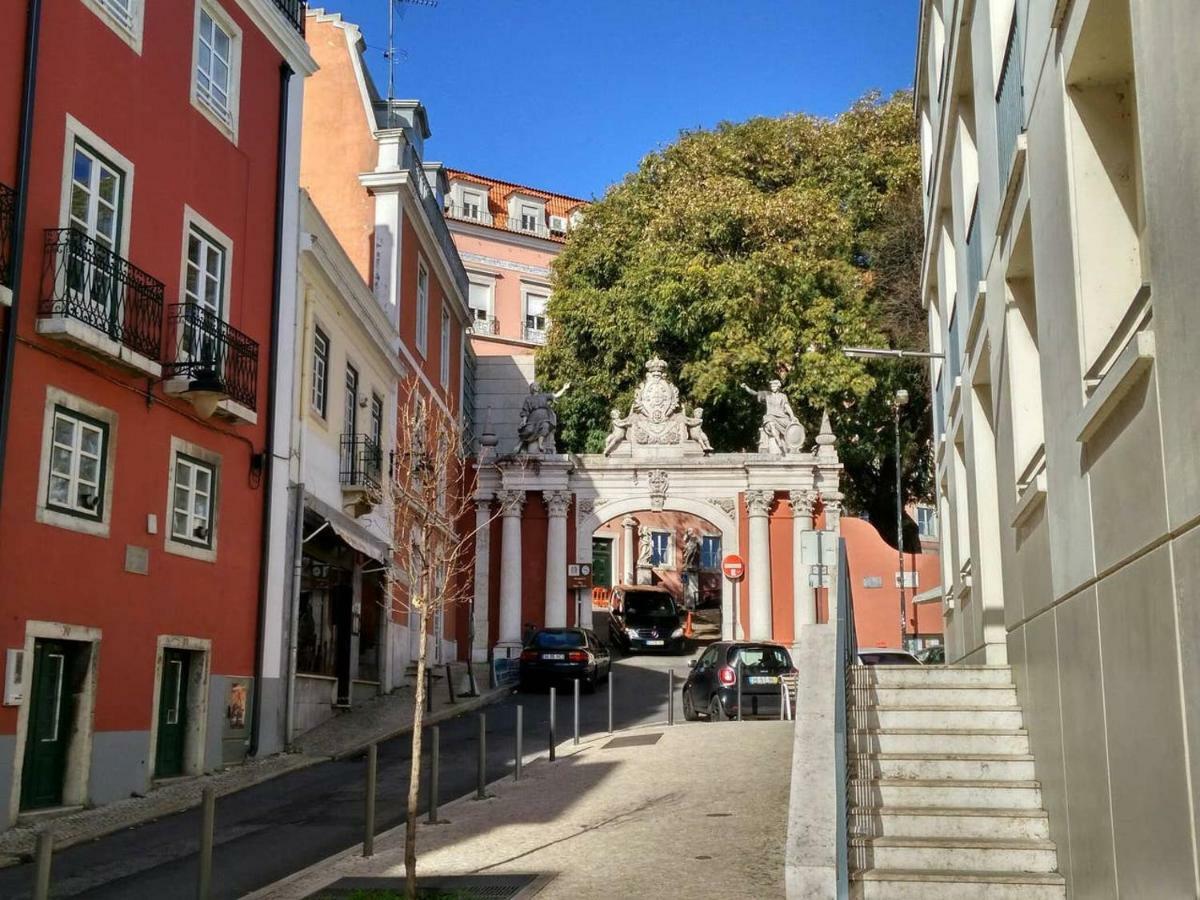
554	656
655	643
764	679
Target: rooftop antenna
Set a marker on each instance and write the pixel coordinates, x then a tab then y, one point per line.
396	10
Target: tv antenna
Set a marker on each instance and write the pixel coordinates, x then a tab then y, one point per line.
396	9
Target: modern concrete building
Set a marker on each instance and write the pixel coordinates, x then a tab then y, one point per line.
1062	158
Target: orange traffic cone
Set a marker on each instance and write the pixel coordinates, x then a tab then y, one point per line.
687	627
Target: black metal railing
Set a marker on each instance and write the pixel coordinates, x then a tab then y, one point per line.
86	281
8	212
844	723
974	257
295	10
362	461
1010	102
209	349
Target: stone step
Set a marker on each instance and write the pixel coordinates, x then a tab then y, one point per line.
882	884
933	766
949	676
918	740
900	821
970	696
971	794
952	854
936	718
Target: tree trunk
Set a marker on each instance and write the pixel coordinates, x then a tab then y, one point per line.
414	776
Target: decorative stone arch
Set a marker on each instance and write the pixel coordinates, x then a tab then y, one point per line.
586	524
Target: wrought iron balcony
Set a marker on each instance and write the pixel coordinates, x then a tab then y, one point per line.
362	461
295	11
86	281
211	351
469	214
8	212
486	325
534	335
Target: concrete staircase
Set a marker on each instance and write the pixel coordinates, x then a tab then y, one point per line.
944	801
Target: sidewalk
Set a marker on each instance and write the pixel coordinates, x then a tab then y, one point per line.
382	718
702	810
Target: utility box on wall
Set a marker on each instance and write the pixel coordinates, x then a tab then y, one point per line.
235	723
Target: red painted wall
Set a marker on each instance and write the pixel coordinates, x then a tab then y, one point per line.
12	65
139	104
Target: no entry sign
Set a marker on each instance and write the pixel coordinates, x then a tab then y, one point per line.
734	567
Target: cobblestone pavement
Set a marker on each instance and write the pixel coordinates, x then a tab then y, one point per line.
347	733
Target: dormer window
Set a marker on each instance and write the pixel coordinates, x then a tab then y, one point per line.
469	201
472	203
530	217
576	218
527	214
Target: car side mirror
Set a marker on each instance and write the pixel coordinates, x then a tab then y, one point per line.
691	663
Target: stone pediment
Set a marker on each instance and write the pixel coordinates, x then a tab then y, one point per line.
657	425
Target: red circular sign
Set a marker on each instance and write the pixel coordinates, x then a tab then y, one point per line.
734	567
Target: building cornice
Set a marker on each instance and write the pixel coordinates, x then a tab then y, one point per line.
499	233
270	20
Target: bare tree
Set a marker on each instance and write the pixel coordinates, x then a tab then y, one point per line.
426	492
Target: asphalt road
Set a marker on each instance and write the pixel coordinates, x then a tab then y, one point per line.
269	831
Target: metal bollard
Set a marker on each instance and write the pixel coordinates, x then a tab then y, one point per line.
41	872
520	742
670	696
450	684
576	712
738	670
610	700
369	816
552	717
481	789
208	815
434	762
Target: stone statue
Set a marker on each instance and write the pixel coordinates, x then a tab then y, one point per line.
695	429
620	427
781	432
538	420
645	548
691	568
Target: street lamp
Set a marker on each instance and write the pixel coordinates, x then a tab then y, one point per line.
899	400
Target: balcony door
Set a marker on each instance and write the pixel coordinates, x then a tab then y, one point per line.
204	291
95	217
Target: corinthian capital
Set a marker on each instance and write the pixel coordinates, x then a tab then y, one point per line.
557	502
511	502
759	502
802	502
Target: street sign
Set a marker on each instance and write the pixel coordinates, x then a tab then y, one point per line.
734	567
579	576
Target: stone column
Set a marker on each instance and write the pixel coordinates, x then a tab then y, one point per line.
628	549
511	505
804	599
483	565
759	505
557	503
832	502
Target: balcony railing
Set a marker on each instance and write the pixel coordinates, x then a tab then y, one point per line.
437	219
469	214
207	348
8	212
362	461
1010	101
295	11
86	281
488	325
974	257
525	226
534	335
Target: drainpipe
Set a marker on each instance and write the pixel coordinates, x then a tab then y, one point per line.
264	567
33	31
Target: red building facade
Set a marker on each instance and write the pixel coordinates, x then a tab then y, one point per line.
148	154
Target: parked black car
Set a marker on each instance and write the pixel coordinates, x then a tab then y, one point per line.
934	655
711	688
644	617
563	654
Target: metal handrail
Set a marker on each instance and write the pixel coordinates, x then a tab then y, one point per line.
847	656
361	461
8	212
208	347
86	281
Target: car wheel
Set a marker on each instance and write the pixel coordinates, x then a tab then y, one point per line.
689	711
715	712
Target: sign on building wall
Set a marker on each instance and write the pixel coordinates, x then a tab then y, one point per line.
873	581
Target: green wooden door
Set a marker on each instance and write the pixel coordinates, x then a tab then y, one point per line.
602	562
51	717
172	713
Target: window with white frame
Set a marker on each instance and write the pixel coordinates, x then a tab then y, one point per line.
215	80
710	551
204	287
96	199
192	501
350	415
480	300
77	464
377	420
124	17
536	322
660	548
422	308
320	371
445	349
927	522
531	217
473	203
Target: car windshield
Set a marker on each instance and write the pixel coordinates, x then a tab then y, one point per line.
649	604
769	659
558	640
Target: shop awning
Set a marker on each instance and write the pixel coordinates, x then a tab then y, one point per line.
345	527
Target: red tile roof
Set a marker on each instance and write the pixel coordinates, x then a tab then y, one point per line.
499	192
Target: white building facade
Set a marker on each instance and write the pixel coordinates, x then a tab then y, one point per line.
1062	163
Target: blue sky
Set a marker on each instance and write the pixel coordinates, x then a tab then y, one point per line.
568	95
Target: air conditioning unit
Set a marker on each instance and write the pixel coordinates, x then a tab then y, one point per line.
558	224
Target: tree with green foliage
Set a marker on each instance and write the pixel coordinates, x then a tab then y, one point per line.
755	251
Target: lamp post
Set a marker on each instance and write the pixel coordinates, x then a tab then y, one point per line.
898	400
